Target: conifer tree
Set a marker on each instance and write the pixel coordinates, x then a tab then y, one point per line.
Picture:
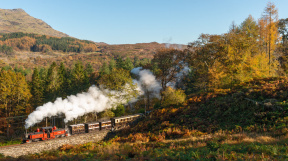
89	69
112	64
79	78
37	89
136	62
90	73
127	64
52	84
104	69
62	80
270	16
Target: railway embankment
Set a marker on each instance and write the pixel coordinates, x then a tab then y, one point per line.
53	144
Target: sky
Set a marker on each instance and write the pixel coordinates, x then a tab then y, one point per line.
143	21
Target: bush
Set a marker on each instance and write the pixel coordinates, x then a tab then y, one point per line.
173	97
66	147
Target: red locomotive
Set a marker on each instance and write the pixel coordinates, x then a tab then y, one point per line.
44	133
115	123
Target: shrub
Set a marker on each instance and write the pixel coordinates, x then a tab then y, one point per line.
173	97
66	147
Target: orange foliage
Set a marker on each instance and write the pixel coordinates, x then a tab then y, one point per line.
23	43
66	147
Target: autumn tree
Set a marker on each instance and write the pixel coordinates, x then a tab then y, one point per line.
166	63
14	94
204	54
173	96
283	47
219	61
270	22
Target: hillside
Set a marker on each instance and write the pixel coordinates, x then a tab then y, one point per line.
17	20
247	122
259	105
140	49
33	50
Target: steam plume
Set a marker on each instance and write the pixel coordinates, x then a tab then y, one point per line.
147	82
94	100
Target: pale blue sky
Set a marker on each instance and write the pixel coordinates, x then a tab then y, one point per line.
137	21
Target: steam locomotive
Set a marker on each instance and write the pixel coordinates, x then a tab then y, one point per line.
46	133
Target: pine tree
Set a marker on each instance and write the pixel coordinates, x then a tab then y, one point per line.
90	73
37	89
79	78
62	80
136	62
89	69
127	64
104	69
52	84
119	63
112	64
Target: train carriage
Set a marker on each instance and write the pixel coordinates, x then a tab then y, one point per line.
124	121
105	125
92	127
76	129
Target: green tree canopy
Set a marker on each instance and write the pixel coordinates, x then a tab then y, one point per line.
37	88
119	110
52	83
119	80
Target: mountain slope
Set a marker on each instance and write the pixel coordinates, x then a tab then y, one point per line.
17	20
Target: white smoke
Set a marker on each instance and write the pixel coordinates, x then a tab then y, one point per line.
94	100
179	76
147	82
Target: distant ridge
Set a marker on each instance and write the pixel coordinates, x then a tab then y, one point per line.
17	20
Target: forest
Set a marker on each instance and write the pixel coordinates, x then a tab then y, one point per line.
42	43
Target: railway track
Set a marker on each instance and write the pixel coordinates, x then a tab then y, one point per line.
17	150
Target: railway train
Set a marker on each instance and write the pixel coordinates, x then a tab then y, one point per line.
46	133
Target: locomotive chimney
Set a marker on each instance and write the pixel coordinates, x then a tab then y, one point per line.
26	135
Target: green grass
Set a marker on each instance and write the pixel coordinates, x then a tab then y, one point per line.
11	142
